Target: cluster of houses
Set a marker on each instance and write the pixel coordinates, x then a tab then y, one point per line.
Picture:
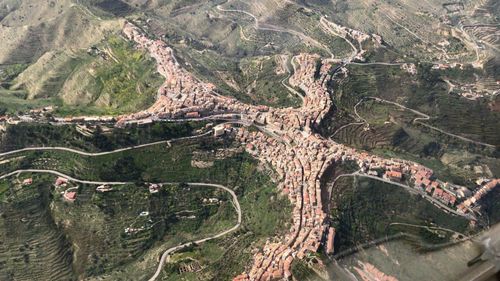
424	180
85	119
487	186
422	177
31	116
437	189
299	158
182	95
69	194
42	113
355	35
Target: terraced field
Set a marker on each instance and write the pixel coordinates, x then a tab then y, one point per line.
93	226
232	44
393	131
88	238
358	201
71	54
33	248
99	138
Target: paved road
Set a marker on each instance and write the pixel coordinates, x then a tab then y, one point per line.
235	202
379	63
324	23
345	126
169	251
408	188
427	227
290	73
415	191
332	185
49	148
270	27
363	121
56	173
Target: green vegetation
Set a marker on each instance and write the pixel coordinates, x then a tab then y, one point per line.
302	271
111	78
14	102
363	210
95	224
265	214
10	72
4	188
175	209
116	78
392	131
425	92
491	207
251	79
31	246
101	138
102	217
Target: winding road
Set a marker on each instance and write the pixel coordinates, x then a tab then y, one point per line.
269	27
427	117
169	251
93	154
363	121
408	188
290	89
235	202
59	174
423	117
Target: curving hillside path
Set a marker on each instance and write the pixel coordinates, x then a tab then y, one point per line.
169	251
59	174
93	154
423	117
235	202
270	27
290	73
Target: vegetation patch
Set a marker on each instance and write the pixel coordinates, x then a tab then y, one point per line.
97	138
364	210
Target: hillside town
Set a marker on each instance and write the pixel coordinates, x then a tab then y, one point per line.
287	141
181	95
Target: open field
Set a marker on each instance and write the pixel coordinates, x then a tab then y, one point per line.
110	78
30	29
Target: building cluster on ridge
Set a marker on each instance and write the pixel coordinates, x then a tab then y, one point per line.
181	95
300	158
467	204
